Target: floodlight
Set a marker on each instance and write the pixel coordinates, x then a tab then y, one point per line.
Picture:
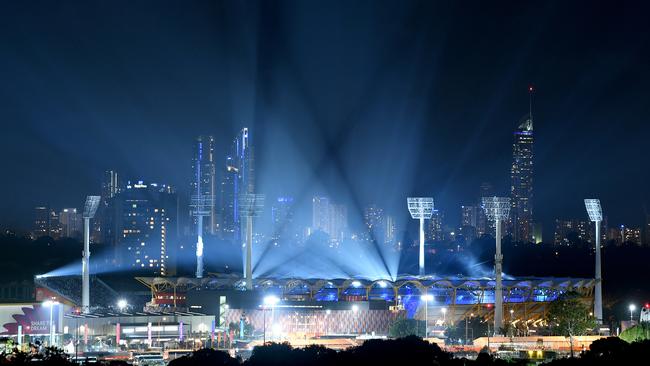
593	209
90	207
595	212
427	297
497	209
420	208
250	205
355	308
271	300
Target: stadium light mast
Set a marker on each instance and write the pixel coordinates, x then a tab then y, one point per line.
201	204
420	208
250	206
497	209
90	208
595	213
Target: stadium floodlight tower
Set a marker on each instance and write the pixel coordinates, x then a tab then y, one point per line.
497	209
420	208
201	204
250	206
596	215
90	208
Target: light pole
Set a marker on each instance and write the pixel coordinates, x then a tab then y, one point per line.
90	208
632	307
355	310
595	213
444	316
420	208
51	304
121	305
270	300
497	209
426	298
250	206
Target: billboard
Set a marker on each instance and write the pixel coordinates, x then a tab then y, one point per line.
35	318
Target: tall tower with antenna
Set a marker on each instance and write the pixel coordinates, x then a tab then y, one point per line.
521	174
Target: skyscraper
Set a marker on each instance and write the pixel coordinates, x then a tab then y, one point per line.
373	217
146	215
204	185
320	213
71	223
521	190
103	230
436	226
41	222
238	179
329	218
282	220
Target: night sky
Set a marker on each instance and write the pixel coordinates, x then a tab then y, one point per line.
364	101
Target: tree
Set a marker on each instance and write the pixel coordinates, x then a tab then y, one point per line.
406	327
637	333
569	316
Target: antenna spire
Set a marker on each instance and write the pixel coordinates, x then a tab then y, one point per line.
530	102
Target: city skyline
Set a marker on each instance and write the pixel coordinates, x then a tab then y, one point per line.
433	144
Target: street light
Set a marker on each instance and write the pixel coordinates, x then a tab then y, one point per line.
269	301
426	298
595	213
497	209
122	304
51	304
632	308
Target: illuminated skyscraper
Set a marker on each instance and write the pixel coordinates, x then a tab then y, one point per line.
329	218
146	215
41	222
204	184
282	219
521	190
436	226
373	217
71	223
238	178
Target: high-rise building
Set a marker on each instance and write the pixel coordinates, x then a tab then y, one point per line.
338	220
373	217
436	230
204	185
320	213
110	184
630	235
146	215
238	179
71	223
41	222
282	220
521	173
390	229
329	218
46	223
103	229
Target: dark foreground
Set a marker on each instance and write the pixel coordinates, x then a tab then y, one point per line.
404	351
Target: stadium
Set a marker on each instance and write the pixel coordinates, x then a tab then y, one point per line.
219	308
